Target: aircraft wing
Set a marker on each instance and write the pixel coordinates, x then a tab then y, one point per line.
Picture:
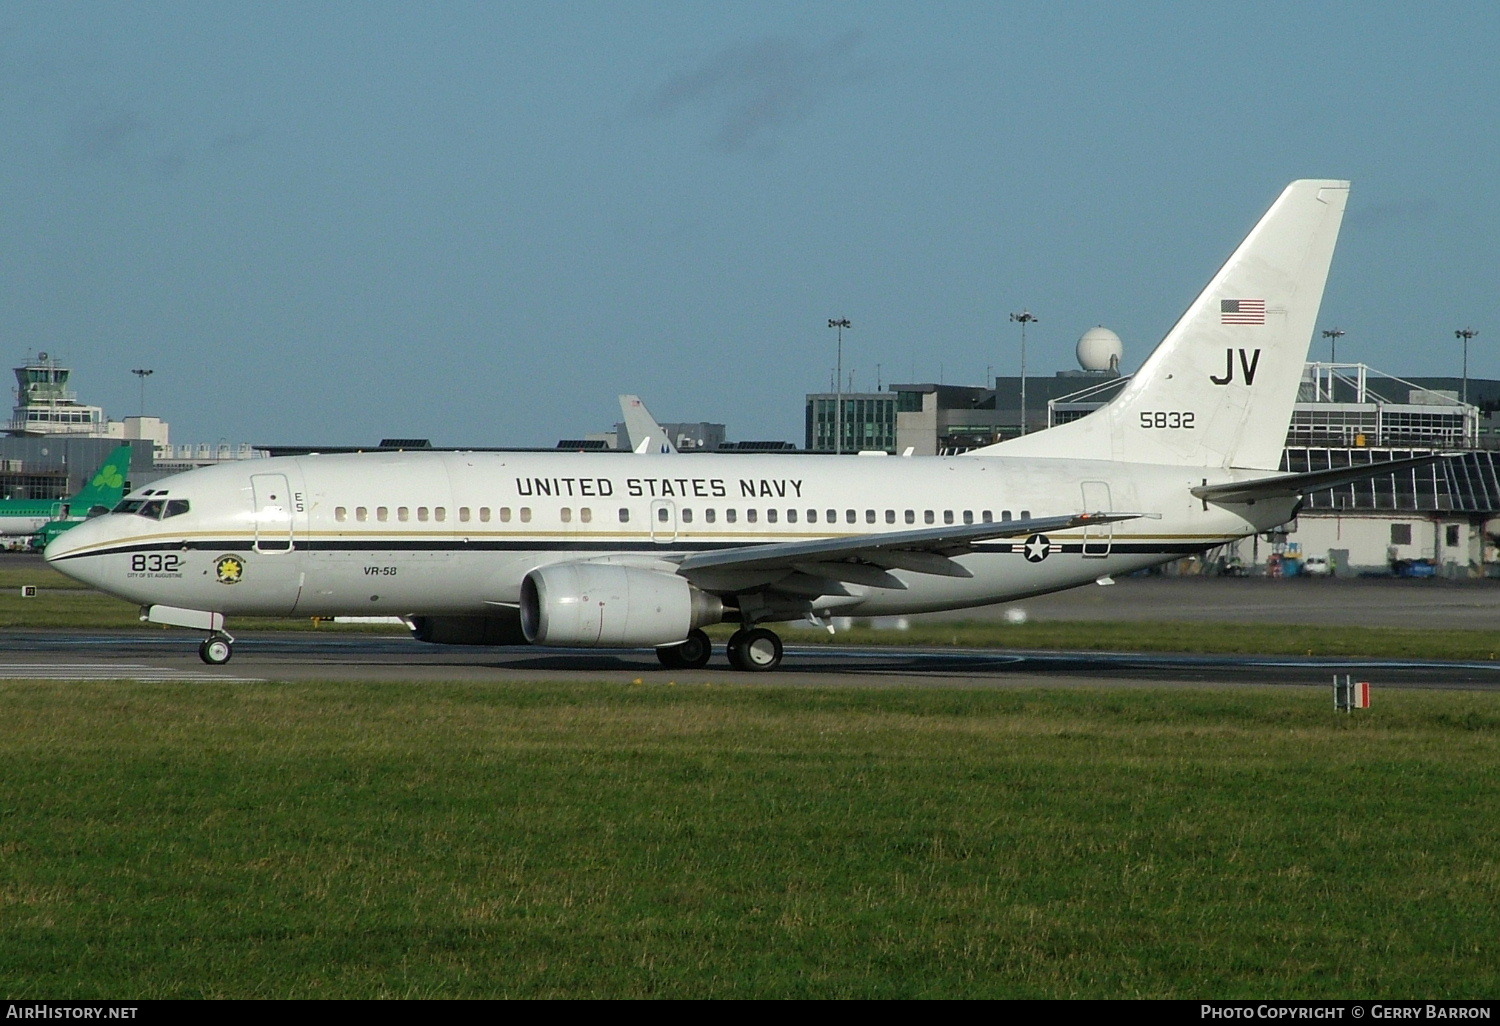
866	558
1285	486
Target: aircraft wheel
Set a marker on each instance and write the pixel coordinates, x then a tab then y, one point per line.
692	654
756	650
215	651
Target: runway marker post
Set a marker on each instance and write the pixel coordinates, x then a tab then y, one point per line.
1350	694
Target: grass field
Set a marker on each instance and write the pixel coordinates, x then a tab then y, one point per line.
312	840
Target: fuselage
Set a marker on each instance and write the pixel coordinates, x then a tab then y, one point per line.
454	533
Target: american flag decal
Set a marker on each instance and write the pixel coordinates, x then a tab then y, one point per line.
1242	311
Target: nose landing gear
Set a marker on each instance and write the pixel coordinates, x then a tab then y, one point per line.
216	649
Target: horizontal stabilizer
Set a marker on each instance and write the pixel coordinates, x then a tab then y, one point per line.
1285	486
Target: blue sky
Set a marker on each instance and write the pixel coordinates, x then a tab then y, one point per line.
479	222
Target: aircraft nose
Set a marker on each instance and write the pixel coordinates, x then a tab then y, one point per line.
61	551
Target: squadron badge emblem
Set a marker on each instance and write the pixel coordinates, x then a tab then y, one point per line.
229	569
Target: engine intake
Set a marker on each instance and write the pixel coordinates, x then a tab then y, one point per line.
605	605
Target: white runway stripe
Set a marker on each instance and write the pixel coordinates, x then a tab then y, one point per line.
111	671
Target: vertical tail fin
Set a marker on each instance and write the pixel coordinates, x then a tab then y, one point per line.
1219	389
107	487
646	435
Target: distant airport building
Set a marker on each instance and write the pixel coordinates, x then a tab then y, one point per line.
53	442
868	422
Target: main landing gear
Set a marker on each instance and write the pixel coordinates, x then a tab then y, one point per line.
216	649
755	650
690	655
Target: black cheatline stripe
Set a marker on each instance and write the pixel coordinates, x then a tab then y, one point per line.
667	548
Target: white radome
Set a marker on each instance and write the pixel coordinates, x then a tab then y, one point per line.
1100	350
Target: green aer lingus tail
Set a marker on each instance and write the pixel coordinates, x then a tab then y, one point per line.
44	519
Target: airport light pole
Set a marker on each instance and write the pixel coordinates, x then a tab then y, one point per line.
838	384
143	374
1465	334
1333	335
1025	317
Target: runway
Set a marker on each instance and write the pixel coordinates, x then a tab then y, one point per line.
1331	603
303	656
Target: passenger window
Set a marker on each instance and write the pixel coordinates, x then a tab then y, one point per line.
869	516
525	514
989	517
505	514
586	515
812	516
833	516
927	517
770	516
709	515
624	515
463	514
403	513
484	514
947	516
687	516
382	514
968	516
440	514
422	514
340	514
1004	515
661	514
911	516
567	515
1025	514
791	516
752	516
851	517
890	516
361	514
729	516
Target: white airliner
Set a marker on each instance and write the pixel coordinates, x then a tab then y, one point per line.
598	550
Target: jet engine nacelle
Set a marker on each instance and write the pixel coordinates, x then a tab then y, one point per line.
605	605
502	628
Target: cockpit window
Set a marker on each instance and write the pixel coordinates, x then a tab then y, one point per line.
175	507
151	510
128	506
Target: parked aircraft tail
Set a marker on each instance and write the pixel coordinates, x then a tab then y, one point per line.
1219	389
646	435
106	487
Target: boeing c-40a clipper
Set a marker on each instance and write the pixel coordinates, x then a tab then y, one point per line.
584	550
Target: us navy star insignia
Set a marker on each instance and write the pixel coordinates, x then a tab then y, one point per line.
1036	548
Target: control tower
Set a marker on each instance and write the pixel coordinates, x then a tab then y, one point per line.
45	405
